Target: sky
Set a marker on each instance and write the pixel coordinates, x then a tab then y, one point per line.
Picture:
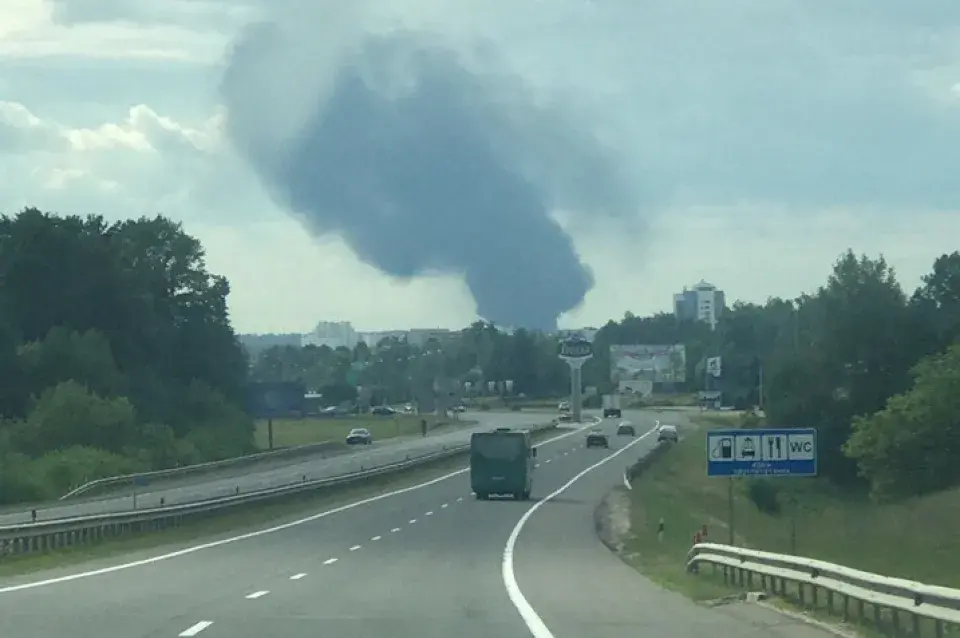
415	164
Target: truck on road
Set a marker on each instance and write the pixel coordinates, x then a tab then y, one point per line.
501	462
611	406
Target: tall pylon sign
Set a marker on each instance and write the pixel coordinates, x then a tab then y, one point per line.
575	352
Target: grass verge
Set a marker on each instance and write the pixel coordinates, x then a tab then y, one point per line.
293	432
914	540
237	520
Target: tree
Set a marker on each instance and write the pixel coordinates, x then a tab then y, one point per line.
911	446
115	349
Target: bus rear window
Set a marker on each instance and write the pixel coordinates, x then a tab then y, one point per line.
498	447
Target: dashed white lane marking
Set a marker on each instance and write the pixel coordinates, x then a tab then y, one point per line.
429	514
354	548
196	629
257	594
412	521
626	480
536	465
532	619
330	561
262	532
395	530
376	538
459	498
548	460
443	506
297	576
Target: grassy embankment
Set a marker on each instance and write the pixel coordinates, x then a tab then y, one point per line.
239	520
916	539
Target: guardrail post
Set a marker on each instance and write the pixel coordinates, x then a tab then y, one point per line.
33	515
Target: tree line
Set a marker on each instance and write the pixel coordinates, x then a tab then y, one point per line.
116	353
117	356
866	363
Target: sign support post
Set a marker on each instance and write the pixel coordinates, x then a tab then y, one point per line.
576	352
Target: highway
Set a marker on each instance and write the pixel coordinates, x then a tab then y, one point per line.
272	473
429	562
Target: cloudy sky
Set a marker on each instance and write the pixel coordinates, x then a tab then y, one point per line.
404	164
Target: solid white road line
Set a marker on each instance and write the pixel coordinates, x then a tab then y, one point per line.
262	532
533	621
196	629
256	594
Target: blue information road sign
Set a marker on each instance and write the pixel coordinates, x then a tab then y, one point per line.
762	452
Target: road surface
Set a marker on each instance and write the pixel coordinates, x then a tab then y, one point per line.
425	563
269	473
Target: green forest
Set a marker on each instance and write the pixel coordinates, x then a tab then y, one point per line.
117	356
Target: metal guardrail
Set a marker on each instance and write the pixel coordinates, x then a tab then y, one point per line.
199	468
895	598
49	535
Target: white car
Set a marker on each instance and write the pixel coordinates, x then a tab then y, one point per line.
668	433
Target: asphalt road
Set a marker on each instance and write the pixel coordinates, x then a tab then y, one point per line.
272	473
426	563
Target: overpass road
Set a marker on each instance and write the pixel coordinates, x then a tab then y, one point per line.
425	563
270	473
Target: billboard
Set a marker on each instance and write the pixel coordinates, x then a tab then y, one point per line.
630	365
269	400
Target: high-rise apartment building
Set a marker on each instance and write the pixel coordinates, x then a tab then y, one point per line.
702	302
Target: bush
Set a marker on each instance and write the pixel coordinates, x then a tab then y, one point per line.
765	495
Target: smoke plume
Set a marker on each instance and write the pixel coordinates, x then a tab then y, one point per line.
423	165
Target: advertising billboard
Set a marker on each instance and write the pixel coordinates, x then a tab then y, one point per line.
631	364
271	400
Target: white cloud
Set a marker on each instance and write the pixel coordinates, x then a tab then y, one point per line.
775	134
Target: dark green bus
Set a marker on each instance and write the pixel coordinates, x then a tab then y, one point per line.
501	462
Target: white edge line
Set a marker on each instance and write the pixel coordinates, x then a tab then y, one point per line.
270	530
196	629
533	621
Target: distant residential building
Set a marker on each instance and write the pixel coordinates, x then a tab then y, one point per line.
333	334
416	337
702	302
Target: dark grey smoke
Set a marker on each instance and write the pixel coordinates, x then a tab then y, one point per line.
449	172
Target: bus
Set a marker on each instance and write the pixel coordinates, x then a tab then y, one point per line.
501	462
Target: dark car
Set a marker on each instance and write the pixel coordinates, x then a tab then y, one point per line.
626	429
359	436
597	439
382	410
